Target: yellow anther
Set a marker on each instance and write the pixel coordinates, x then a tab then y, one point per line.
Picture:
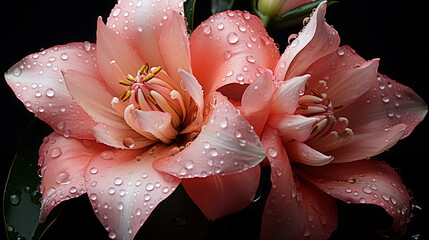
148	77
152	99
315	127
306	85
156	71
327	101
126	97
338	106
138	108
125	83
315	92
130	78
143	69
122	95
303	106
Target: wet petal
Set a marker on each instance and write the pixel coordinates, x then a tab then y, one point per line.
141	23
210	193
315	41
256	101
286	97
193	88
239	49
96	103
121	138
302	153
293	127
364	182
294	209
63	162
226	145
124	189
38	82
112	49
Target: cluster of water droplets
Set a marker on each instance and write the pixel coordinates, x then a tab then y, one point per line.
38	82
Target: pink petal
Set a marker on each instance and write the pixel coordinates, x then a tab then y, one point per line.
367	144
218	196
63	162
292	210
365	181
388	110
285	99
174	46
346	86
315	41
302	153
141	24
193	88
96	103
293	127
121	138
239	49
256	101
37	81
124	189
226	145
111	47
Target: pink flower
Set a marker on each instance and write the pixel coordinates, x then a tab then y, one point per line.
131	121
324	109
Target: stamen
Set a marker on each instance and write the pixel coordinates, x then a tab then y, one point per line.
338	106
306	85
122	95
125	83
131	78
142	101
152	100
143	69
162	102
152	74
126	97
303	106
316	93
327	101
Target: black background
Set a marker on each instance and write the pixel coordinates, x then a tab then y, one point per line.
394	31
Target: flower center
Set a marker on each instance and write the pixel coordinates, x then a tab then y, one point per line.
153	90
329	132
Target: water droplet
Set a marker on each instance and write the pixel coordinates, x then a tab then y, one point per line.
224	122
227	55
128	142
63	178
56	152
93	170
14	199
250	59
237	134
229	73
213	152
117	181
120	206
64	56
116	11
292	38
87	46
107	155
17	72
189	164
203	174
272	152
111	191
220	26
340	51
385	98
93	196
367	190
112	234
165	189
232	38
149	187
207	29
73	190
305	21
146	197
50	92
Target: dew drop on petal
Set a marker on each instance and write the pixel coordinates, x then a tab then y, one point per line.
56	152
50	92
232	38
149	187
224	122
272	152
64	56
117	181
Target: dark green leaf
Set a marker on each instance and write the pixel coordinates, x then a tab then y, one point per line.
189	13
21	204
221	5
302	10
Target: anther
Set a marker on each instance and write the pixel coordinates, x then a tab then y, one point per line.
152	74
125	83
126	96
338	106
130	78
327	101
122	95
144	69
303	106
315	92
154	102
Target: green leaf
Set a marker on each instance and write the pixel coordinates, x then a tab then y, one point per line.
21	206
302	10
189	13
221	5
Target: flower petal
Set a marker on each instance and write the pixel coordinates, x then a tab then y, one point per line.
366	182
37	81
141	24
315	41
387	109
63	162
112	49
256	101
96	103
174	46
293	127
285	99
124	189
193	88
230	193
121	138
226	145
292	210
239	49
302	153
